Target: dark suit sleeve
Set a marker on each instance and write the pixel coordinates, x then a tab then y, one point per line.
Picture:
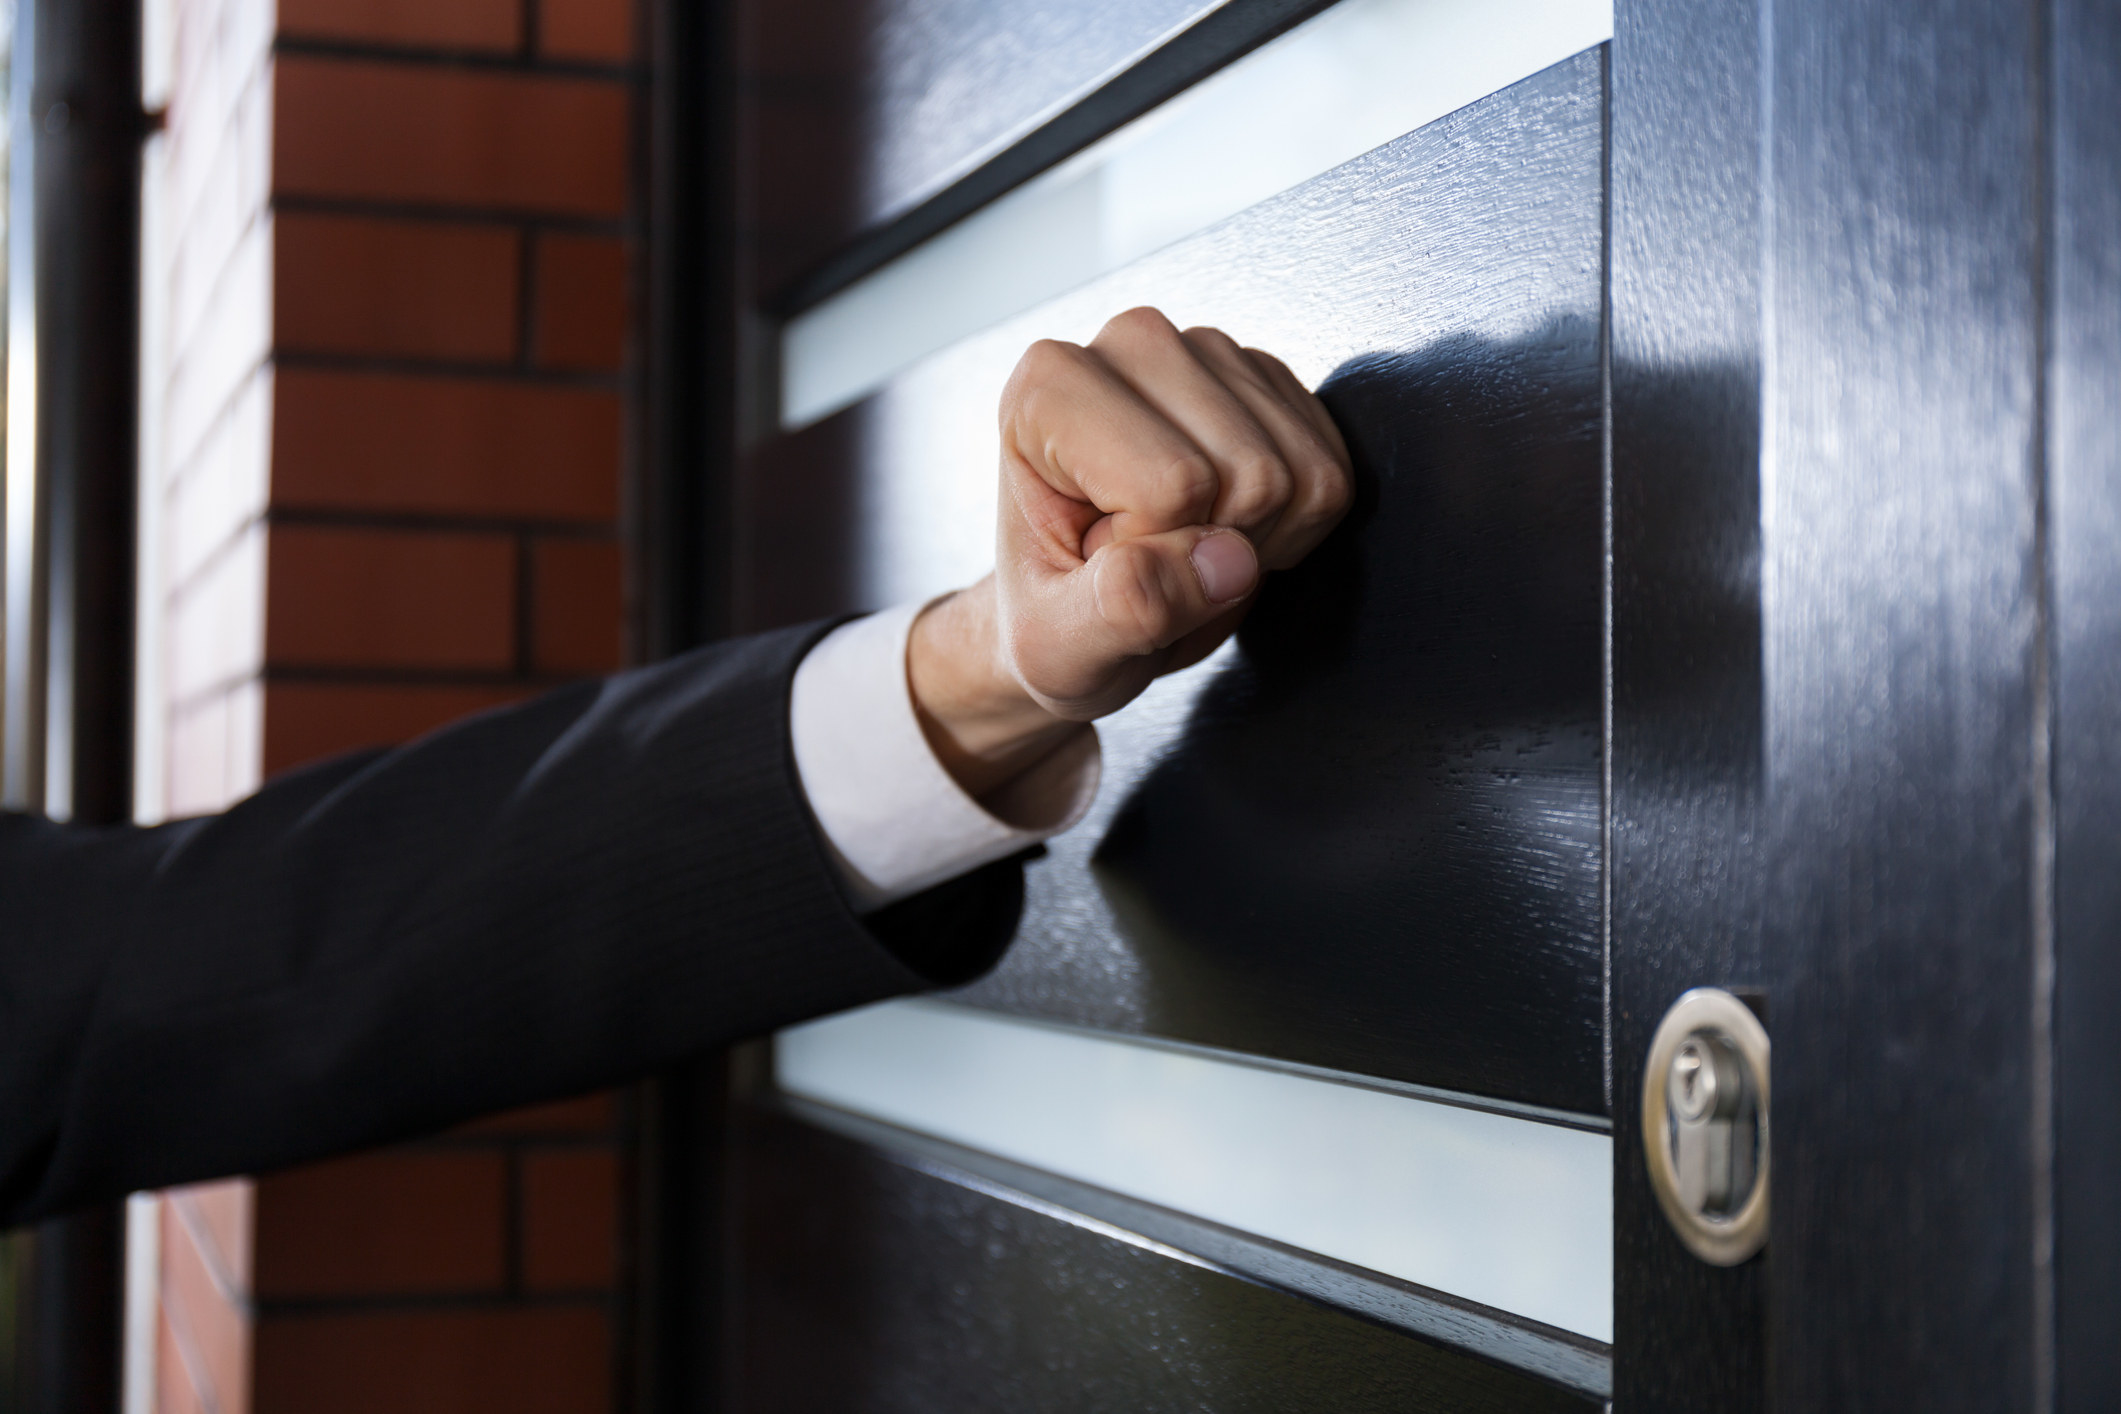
526	905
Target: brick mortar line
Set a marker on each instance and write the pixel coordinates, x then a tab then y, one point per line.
439	523
185	467
391	365
180	471
623	226
466	60
601	1299
176	591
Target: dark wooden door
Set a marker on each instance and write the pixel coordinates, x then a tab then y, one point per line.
1718	410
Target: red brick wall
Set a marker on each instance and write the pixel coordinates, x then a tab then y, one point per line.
388	368
450	196
476	1271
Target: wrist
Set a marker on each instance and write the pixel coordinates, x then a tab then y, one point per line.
984	728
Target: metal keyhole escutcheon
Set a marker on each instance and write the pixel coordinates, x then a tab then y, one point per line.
1705	1124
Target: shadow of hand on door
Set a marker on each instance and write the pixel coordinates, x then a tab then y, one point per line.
1384	808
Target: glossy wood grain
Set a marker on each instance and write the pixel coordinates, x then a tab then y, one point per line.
2084	404
1687	742
872	1280
1862	666
1864	843
1902	646
1367	836
1831	694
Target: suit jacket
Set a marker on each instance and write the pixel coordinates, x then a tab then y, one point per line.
524	906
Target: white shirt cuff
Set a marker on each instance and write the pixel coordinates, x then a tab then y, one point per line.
894	820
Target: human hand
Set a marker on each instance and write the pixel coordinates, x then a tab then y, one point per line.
1148	480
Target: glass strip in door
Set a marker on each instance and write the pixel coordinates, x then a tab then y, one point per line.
1342	83
1508	1206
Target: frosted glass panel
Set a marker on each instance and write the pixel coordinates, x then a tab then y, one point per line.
1512	1212
1356	76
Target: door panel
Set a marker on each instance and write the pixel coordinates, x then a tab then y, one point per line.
1367	836
862	111
1830	683
1904	707
1838	626
894	1283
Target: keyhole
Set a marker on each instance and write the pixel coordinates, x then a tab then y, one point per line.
1712	1129
1693	1082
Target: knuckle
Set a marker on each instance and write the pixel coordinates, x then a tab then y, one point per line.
1260	490
1048	372
1332	489
1141	324
1045	362
1209	336
1328	493
1268	363
1185	491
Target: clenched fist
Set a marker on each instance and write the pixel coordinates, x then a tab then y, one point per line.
1148	480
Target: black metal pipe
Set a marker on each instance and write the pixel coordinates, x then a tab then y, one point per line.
680	485
85	104
686	431
83	68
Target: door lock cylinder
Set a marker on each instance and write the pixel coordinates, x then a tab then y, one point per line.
1705	1124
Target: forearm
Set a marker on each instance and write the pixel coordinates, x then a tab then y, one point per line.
525	905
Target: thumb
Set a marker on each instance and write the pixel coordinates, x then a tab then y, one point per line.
1101	633
1147	592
